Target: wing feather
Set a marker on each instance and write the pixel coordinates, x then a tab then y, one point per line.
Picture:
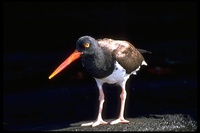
124	53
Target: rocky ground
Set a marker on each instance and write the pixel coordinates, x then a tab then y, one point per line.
176	122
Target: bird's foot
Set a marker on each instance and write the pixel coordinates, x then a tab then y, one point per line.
119	120
96	123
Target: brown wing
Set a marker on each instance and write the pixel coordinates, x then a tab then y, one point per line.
124	52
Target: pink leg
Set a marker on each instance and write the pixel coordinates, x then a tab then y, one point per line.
121	114
99	117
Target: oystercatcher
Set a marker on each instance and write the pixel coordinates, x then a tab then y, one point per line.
108	61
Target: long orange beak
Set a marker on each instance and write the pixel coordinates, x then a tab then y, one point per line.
75	55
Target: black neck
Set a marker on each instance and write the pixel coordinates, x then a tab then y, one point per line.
99	64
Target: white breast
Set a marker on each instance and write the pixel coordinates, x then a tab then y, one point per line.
118	76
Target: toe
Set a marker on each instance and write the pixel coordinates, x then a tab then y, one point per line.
96	123
87	124
99	123
119	121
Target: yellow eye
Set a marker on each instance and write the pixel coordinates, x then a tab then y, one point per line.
86	45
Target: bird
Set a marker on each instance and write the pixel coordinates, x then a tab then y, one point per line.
108	61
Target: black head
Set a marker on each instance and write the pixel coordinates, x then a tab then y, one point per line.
86	44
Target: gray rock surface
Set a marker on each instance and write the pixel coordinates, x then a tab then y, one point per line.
168	122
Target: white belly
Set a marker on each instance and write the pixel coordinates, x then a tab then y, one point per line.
118	76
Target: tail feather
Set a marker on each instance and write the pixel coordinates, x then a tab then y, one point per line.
143	51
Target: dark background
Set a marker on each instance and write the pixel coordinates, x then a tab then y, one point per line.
37	37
